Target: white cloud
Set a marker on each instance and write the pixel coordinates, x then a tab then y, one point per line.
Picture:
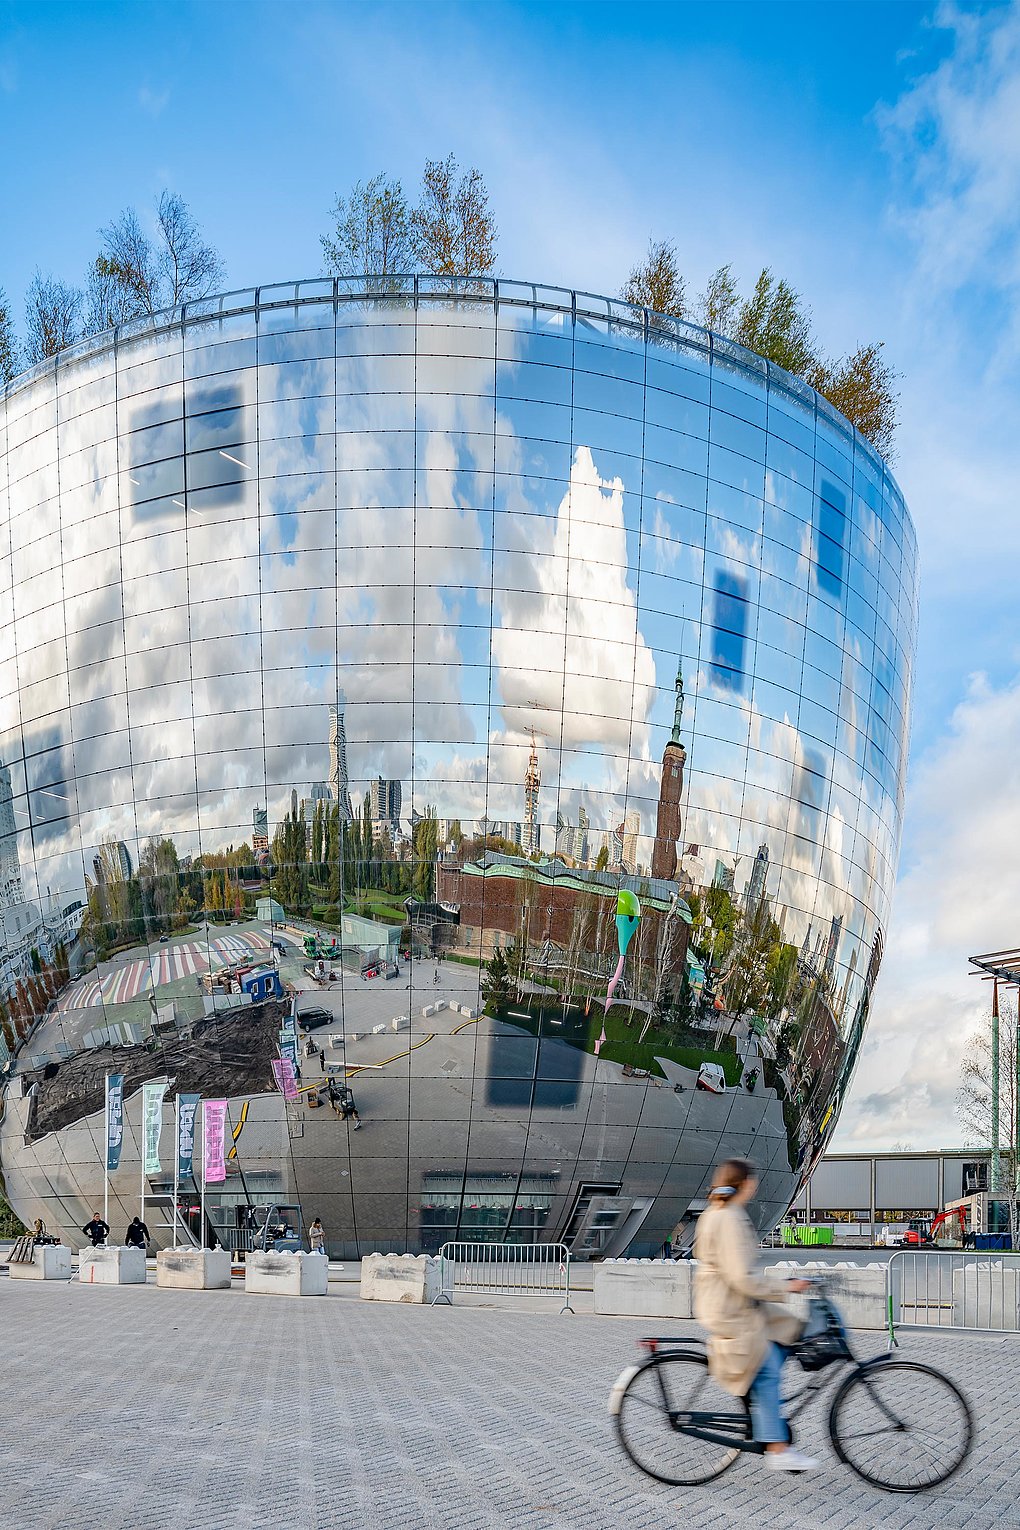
571	659
956	135
959	895
153	102
955	141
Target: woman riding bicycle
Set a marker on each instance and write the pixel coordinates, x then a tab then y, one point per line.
737	1303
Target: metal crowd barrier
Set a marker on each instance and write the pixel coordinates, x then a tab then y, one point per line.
505	1269
946	1289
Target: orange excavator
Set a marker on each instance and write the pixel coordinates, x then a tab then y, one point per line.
952	1224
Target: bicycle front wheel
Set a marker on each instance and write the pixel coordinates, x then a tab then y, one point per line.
901	1426
663	1396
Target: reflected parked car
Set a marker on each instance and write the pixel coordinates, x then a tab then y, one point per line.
711	1078
313	1019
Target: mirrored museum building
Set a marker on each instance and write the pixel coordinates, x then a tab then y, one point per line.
359	647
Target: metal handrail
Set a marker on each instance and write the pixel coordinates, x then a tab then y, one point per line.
407	287
983	1304
491	1267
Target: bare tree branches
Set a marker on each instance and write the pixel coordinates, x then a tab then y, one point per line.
974	1096
188	268
974	1100
52	317
372	233
126	268
9	358
376	233
657	282
109	299
134	275
454	230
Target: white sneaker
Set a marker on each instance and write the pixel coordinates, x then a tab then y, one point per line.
789	1460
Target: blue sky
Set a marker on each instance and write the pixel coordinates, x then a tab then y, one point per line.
869	152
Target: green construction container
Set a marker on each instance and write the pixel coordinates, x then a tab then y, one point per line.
795	1236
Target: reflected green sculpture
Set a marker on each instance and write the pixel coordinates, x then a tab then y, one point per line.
628	917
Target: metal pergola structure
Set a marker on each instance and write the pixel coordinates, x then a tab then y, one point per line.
1000	967
1003	965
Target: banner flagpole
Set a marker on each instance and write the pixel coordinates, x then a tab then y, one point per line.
141	1206
106	1157
996	1145
177	1158
201	1218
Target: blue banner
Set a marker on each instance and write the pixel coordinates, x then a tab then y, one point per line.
187	1105
114	1119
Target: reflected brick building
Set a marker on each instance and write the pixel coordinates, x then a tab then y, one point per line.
503	899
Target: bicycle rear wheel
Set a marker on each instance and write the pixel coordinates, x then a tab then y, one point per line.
658	1397
901	1426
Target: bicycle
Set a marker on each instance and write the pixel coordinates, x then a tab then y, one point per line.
900	1425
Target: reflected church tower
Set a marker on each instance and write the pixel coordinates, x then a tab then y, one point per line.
671	785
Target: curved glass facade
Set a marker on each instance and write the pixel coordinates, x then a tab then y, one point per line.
351	638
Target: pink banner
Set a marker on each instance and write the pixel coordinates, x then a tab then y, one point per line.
213	1131
283	1072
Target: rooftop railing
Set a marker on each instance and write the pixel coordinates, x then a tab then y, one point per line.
413	290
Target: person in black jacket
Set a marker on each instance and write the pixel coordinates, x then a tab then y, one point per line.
137	1235
97	1231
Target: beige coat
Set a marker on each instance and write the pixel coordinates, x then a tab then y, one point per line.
735	1301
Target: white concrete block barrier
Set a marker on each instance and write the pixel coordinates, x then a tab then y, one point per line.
660	1288
860	1292
282	1274
112	1265
643	1288
193	1269
49	1262
400	1278
861	1295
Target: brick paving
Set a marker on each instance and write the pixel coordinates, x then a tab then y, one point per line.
137	1407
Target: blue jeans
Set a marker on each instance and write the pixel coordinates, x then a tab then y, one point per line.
767	1422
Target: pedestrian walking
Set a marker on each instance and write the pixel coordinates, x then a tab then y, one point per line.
322	1059
353	1113
137	1235
97	1231
317	1237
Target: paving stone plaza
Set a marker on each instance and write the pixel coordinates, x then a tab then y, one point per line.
138	1407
